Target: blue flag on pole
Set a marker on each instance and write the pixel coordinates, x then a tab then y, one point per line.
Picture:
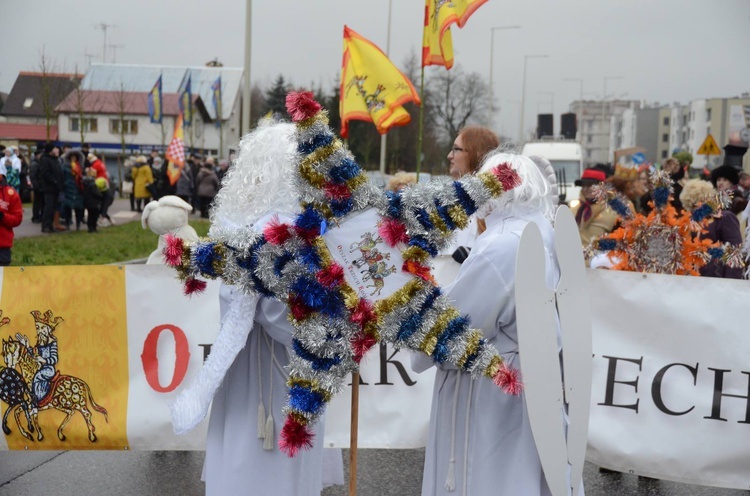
186	104
216	89
154	103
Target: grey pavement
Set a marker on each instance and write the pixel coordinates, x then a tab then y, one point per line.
177	473
119	211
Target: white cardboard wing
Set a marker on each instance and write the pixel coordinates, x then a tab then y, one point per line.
574	308
536	315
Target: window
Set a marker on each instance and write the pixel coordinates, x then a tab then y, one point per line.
666	121
588	153
588	138
89	124
128	126
664	138
708	114
28	102
664	154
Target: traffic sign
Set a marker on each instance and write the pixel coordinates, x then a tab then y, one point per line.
709	147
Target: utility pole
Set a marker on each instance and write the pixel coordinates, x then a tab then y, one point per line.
246	90
88	56
103	26
114	52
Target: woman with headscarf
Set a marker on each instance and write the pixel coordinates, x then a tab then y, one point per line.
726	178
480	440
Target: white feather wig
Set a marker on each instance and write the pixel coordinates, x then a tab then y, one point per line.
259	181
533	195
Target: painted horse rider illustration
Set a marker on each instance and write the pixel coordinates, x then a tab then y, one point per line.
45	352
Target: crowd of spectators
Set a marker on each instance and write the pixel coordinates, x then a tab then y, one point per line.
595	219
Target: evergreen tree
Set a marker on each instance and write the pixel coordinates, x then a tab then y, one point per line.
275	96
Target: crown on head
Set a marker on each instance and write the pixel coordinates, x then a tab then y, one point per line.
625	172
46	319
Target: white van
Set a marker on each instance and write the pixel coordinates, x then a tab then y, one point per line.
566	158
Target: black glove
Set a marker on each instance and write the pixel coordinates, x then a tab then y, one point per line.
461	254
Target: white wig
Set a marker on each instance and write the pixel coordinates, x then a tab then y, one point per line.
259	181
532	196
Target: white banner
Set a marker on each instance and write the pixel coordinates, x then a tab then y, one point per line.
670	386
671	377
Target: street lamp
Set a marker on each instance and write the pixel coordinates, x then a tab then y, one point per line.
579	110
523	92
604	114
492	48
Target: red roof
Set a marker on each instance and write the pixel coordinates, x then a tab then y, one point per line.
27	132
112	102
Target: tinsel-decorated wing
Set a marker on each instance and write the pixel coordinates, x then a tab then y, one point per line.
334	323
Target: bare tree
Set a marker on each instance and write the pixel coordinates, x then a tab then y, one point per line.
46	67
121	97
455	99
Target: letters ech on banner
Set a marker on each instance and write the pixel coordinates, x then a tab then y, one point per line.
669	392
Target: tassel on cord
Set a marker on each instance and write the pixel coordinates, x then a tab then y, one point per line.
450	480
268	443
261	421
261	407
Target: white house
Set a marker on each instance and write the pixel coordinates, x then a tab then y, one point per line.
111	93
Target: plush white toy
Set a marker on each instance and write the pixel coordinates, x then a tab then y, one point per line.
167	215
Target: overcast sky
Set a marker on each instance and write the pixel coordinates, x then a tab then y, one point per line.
664	50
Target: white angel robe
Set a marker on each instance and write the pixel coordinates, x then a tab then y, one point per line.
480	441
236	462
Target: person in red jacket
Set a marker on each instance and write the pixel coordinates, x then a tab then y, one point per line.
11	215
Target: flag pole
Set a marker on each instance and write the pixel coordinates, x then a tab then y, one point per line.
383	137
421	124
353	435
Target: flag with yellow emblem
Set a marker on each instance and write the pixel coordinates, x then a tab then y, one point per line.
437	43
372	88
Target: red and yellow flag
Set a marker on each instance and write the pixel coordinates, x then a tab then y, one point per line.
176	152
372	88
437	43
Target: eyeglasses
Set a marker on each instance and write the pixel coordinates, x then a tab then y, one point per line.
456	149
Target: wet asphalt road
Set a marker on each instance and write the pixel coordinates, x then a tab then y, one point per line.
177	473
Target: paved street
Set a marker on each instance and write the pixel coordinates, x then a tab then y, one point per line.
177	473
119	211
